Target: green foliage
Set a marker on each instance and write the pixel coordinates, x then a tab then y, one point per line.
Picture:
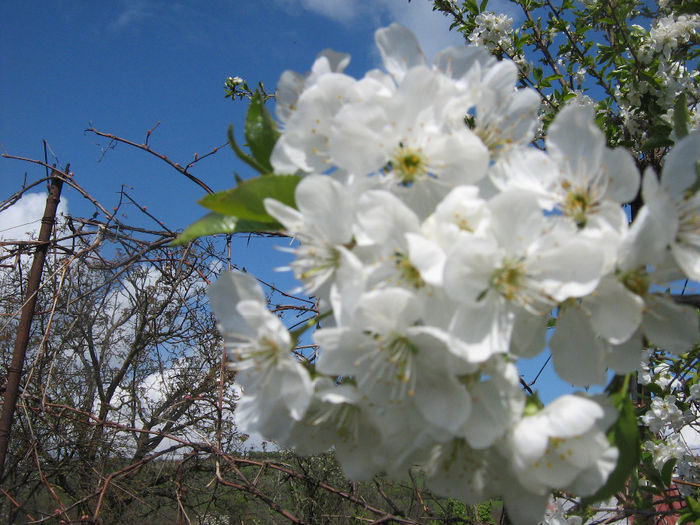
213	223
602	50
245	201
661	480
624	434
681	117
260	132
484	512
250	161
241	208
691	512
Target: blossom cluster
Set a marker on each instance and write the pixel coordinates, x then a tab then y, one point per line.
442	247
660	49
671	418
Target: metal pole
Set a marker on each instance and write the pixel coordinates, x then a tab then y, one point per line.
14	372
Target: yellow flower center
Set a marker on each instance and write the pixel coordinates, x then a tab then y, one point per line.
408	165
408	273
509	278
636	281
577	206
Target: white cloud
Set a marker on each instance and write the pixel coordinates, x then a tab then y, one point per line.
691	436
134	12
431	27
155	390
22	220
338	10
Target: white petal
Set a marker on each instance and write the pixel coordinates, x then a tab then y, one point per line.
571	415
456	62
529	334
383	219
326	204
688	258
296	388
517	220
615	311
291	219
524	507
624	358
622	173
441	400
573	270
483	330
225	294
679	168
399	48
579	357
576	143
334	62
672	327
427	257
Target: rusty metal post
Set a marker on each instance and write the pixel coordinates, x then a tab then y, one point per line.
14	372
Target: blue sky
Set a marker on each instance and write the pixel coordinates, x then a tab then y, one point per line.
125	65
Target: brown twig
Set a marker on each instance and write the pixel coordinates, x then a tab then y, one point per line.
145	147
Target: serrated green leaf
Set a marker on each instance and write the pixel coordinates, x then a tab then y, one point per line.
260	132
250	161
245	201
681	117
624	434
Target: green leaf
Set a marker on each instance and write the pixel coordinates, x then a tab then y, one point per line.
245	201
624	434
690	8
681	117
691	512
656	142
244	226
552	77
483	4
696	185
652	474
537	73
208	225
655	389
667	472
250	161
471	6
214	223
260	132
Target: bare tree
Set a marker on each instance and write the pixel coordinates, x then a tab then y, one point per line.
125	414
